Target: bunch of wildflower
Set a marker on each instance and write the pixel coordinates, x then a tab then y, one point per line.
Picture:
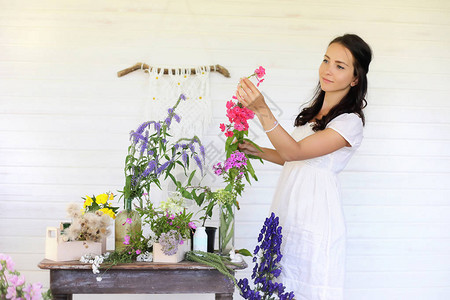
100	203
86	226
169	242
13	286
163	221
239	115
266	259
151	155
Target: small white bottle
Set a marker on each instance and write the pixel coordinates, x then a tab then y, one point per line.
200	239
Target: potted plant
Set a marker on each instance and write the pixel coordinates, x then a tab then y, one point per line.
171	225
86	233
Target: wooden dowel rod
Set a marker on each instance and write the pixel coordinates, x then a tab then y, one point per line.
143	66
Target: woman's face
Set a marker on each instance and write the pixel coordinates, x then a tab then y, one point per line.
336	70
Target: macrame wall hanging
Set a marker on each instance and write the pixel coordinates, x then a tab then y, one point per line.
166	85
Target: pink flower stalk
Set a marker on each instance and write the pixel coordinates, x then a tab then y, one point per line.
237	114
126	240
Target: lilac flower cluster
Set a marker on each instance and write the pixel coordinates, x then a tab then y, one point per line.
169	242
237	160
269	254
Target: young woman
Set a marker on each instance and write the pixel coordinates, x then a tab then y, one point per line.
307	199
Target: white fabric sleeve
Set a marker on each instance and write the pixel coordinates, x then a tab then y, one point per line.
349	126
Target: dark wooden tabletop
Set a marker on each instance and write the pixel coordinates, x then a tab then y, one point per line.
183	265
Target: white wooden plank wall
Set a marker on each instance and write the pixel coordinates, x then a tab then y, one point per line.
65	117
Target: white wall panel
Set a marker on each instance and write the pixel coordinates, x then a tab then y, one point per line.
65	117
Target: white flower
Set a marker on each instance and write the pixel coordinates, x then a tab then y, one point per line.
99	278
174	204
145	257
151	238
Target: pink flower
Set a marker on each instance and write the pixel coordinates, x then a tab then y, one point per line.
229	133
129	221
192	225
126	240
222	127
181	242
259	82
8	260
16	280
230	104
33	292
11	293
239	126
138	251
260	72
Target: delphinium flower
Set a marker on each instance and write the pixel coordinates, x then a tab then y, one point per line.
169	242
266	259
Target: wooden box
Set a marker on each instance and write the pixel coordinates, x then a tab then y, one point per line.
160	256
58	250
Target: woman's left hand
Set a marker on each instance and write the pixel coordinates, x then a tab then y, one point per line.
249	96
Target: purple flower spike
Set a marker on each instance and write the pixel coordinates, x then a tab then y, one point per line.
177	118
183	97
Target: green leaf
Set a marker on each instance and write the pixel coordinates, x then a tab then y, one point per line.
244	252
190	177
251	170
186	194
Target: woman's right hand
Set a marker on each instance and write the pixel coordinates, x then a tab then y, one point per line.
248	148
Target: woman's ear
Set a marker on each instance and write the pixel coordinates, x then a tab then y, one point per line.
354	82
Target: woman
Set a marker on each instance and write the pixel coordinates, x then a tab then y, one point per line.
307	198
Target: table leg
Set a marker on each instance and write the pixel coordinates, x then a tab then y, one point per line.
224	296
62	297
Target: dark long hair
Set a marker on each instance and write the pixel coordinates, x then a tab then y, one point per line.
354	101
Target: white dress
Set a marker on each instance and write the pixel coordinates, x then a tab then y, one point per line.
307	201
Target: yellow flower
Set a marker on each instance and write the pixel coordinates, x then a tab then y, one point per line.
87	202
101	199
108	212
111	196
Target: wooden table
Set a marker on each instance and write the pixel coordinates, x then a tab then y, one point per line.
74	277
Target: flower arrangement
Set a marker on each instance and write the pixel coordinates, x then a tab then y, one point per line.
86	226
266	259
12	284
170	227
100	203
150	156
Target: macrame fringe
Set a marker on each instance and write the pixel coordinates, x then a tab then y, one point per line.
195	111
